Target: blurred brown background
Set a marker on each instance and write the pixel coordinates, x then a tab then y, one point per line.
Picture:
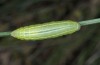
80	48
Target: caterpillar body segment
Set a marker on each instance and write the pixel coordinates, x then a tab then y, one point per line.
46	30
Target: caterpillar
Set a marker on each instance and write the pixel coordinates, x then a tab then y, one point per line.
46	30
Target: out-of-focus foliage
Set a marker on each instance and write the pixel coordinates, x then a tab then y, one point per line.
80	48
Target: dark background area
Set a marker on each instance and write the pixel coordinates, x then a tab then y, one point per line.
80	48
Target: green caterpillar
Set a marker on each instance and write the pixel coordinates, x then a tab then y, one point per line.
46	30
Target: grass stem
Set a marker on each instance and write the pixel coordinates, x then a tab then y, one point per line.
88	22
2	34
